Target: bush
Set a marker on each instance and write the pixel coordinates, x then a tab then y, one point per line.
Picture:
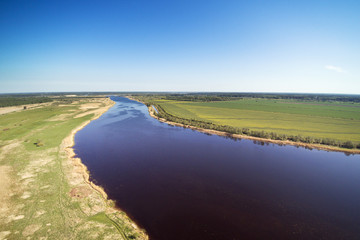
348	144
245	131
16	101
39	143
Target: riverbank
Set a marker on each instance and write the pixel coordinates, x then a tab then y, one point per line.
67	146
69	142
45	189
240	136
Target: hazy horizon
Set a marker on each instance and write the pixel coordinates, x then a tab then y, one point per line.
178	92
182	46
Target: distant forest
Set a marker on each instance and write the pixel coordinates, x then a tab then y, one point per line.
16	101
29	98
205	97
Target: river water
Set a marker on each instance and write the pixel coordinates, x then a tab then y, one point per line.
180	184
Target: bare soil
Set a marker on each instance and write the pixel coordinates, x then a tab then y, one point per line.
5	110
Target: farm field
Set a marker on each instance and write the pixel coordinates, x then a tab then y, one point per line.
43	193
334	120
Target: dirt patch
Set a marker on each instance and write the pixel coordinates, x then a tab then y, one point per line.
4	182
31	229
88	106
27	176
60	117
5	110
39	213
27	181
80	192
37	165
8	148
15	218
4	189
87	113
3	234
26	195
41	160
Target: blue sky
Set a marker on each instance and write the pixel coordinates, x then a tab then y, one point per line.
256	46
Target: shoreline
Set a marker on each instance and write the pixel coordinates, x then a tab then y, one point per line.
240	136
69	142
67	147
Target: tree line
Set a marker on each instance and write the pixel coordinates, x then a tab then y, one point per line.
206	97
16	101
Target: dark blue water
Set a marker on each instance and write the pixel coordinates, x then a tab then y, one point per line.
177	183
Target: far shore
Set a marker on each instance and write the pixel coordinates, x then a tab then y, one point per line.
239	136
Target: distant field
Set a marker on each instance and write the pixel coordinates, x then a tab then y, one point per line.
338	121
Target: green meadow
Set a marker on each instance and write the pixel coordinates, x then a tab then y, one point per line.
333	120
43	194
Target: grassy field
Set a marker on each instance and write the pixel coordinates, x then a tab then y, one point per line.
333	120
43	193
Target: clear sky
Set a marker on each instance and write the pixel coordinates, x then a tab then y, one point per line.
184	45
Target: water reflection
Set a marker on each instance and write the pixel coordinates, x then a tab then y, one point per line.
181	184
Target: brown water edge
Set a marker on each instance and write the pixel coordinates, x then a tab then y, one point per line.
240	136
67	146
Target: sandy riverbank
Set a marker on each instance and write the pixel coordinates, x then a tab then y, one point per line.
78	167
69	142
46	191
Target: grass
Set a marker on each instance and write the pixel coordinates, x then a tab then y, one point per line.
37	178
333	120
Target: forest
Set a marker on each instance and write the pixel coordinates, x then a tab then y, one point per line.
7	101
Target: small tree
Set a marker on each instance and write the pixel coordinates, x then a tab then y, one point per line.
348	144
39	143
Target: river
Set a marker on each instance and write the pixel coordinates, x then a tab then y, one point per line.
180	184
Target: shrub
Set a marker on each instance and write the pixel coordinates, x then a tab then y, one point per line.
39	143
348	144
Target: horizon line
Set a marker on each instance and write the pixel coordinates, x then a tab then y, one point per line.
178	92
